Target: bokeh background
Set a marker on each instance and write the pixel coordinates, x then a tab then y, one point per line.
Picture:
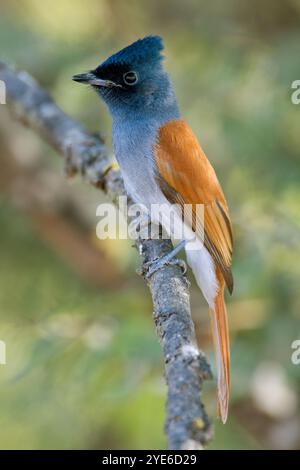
84	367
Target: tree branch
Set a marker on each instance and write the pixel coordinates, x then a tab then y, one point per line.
187	425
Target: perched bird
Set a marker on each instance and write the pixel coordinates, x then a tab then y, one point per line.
162	163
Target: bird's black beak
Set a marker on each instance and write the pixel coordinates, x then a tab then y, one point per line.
83	77
91	79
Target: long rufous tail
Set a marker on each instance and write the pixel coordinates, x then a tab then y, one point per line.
220	332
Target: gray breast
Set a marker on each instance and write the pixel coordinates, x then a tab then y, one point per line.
133	146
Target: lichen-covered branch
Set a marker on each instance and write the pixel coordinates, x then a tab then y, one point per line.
187	425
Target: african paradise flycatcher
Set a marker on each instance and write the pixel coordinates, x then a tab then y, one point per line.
162	163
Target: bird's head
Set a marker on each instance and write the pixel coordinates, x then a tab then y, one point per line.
133	79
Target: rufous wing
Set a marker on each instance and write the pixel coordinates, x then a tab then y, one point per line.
186	176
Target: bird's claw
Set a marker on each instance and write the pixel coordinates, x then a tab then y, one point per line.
181	264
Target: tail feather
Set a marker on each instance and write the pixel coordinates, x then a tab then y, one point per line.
212	284
219	325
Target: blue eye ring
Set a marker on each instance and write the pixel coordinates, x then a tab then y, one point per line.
130	78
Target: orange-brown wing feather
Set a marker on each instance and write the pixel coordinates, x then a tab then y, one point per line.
186	176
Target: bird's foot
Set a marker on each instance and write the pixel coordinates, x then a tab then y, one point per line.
153	266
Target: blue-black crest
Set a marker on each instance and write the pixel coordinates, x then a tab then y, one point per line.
144	50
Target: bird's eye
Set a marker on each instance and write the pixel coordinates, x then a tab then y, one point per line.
130	78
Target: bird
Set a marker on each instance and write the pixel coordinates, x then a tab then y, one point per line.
162	162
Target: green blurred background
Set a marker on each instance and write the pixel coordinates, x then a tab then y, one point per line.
84	367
